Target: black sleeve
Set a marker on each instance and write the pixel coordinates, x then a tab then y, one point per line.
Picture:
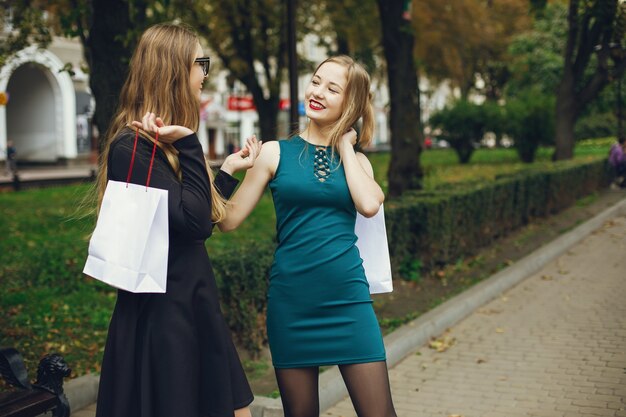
225	184
190	200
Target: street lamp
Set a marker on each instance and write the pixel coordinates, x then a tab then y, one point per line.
293	65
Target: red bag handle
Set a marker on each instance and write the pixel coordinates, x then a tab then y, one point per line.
132	159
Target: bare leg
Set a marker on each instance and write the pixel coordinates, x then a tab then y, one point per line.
368	385
299	391
243	412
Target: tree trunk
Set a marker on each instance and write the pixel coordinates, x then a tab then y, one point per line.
566	115
107	73
268	116
405	172
590	32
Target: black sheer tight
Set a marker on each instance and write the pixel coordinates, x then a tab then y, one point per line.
299	391
367	383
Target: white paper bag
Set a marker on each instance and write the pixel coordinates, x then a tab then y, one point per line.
372	243
129	246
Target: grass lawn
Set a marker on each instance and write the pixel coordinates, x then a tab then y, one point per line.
46	303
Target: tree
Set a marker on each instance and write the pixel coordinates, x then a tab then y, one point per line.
407	137
109	31
350	27
463	40
536	55
595	41
250	37
27	26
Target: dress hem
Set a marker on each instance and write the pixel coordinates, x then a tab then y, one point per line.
237	406
343	362
244	403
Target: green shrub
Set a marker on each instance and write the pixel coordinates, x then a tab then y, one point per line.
530	121
463	125
596	125
439	227
242	274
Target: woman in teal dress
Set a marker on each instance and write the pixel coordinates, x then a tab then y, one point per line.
319	307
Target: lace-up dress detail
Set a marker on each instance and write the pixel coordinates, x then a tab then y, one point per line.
321	163
319	307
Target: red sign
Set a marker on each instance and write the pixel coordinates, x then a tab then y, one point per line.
284	104
240	103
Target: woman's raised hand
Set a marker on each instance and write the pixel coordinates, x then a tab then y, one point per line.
245	158
167	134
349	139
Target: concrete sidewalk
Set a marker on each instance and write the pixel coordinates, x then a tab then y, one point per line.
554	345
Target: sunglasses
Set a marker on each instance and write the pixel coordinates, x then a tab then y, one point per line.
205	62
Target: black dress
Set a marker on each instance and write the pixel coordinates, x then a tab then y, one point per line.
171	354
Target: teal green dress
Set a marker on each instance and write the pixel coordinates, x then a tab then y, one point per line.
319	307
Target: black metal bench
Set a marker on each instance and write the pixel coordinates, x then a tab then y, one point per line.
30	400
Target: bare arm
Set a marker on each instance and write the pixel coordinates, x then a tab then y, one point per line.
249	193
366	193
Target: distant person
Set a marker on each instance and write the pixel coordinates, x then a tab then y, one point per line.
11	158
617	160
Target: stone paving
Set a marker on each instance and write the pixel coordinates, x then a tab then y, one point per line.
553	346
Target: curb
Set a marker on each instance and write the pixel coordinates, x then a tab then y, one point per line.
82	391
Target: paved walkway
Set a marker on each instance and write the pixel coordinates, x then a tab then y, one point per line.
555	345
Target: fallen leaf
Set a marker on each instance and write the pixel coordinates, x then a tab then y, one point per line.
480	361
442	344
499	330
489	311
547	277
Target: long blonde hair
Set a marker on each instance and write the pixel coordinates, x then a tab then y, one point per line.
357	102
158	81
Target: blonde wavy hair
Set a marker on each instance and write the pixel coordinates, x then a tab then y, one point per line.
158	81
357	103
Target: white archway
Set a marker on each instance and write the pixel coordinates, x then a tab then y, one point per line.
49	87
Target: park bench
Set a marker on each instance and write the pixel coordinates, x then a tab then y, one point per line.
30	400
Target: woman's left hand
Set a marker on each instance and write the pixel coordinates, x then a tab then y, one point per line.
347	142
245	158
350	137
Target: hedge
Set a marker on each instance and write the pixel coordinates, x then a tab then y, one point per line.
434	227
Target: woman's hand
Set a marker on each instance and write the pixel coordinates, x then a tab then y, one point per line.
167	134
348	140
245	158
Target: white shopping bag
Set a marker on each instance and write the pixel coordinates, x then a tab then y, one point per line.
372	243
130	245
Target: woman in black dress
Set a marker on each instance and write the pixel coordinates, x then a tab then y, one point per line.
171	354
